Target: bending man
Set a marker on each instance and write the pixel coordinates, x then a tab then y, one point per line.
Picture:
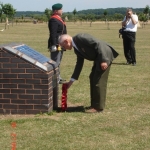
87	47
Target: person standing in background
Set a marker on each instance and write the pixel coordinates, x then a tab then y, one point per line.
129	36
56	27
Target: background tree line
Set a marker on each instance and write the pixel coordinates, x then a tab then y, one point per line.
110	14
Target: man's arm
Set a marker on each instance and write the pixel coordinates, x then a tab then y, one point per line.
129	15
53	27
78	68
77	71
125	21
134	19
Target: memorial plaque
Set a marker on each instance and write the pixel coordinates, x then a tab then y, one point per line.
32	53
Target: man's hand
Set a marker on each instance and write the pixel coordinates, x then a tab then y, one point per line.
69	84
104	65
129	14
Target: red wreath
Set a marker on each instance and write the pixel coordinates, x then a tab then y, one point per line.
64	97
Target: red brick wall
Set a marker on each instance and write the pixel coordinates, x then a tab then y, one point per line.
25	88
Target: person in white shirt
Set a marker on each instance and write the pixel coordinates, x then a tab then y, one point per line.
129	36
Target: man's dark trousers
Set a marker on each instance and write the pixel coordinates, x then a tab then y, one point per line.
98	87
129	46
57	57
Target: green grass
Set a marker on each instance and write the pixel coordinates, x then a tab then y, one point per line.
125	122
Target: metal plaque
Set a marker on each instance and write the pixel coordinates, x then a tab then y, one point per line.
32	54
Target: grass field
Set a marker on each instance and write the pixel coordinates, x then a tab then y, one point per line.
125	122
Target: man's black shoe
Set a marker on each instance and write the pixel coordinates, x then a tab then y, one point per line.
134	64
128	63
92	110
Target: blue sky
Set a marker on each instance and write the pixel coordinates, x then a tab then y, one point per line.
70	5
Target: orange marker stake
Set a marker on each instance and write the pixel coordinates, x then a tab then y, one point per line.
13	136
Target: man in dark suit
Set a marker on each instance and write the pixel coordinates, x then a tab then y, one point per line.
102	54
56	27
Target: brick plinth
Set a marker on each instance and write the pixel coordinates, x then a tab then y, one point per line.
24	87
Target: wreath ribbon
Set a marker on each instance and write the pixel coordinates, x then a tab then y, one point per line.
64	97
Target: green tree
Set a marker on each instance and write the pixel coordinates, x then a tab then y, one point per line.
74	13
117	17
13	15
48	13
105	14
146	12
9	11
81	18
69	15
91	18
142	18
1	11
22	17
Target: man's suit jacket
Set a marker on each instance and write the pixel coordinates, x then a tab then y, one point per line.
56	28
91	49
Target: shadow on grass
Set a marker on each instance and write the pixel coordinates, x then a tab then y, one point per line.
72	109
120	64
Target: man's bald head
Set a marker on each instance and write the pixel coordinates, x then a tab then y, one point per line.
62	38
65	41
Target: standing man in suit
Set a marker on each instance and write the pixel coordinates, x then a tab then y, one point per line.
129	36
102	54
56	27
